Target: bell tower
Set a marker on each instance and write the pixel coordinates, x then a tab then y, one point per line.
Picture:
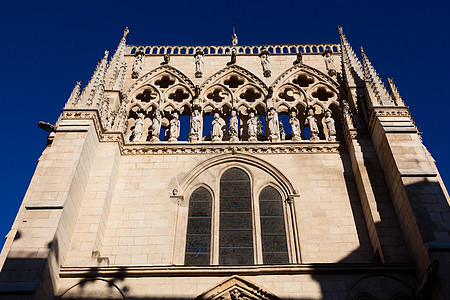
232	172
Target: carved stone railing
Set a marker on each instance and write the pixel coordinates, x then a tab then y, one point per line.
224	50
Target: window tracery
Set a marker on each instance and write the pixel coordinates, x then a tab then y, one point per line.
243	226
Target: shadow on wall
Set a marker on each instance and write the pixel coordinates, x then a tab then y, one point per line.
24	273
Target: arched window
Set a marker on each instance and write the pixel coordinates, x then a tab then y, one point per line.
273	229
198	237
236	228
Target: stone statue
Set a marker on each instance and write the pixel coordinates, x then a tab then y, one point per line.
138	63
299	59
282	131
216	133
331	129
174	130
166	58
295	126
274	124
156	126
234	40
252	127
265	62
345	107
329	62
139	128
233	57
311	121
196	126
198	64
234	126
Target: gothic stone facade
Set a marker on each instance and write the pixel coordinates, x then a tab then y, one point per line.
232	172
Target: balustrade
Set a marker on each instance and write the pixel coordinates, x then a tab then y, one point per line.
240	49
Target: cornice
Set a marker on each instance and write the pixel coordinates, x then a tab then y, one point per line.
181	271
387	111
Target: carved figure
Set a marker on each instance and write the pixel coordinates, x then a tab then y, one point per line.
166	58
216	133
234	40
265	62
329	122
234	126
174	130
311	121
137	66
299	59
198	64
295	127
282	131
156	126
329	62
196	126
233	57
345	107
252	127
139	128
274	124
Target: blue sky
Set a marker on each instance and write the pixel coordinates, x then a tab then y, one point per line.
49	45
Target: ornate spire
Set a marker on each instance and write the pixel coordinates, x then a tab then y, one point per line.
394	92
94	88
350	63
374	85
120	77
116	62
74	96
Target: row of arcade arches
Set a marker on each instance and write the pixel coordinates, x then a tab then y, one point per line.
166	89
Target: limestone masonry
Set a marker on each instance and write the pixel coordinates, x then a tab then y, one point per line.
232	172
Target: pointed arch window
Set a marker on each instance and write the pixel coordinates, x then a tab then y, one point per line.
236	227
240	227
273	229
198	237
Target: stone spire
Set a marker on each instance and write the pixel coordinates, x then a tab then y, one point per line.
74	96
112	74
96	84
377	92
351	65
98	96
120	77
394	92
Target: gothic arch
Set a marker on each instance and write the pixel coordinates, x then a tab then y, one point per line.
162	69
238	69
287	88
107	290
393	286
307	69
244	80
242	159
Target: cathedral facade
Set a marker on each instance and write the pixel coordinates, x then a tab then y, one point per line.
232	172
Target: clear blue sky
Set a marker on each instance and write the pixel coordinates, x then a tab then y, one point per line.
49	45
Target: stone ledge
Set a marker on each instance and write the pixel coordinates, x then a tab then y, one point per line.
45	205
417	173
400	129
438	246
227	147
181	271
